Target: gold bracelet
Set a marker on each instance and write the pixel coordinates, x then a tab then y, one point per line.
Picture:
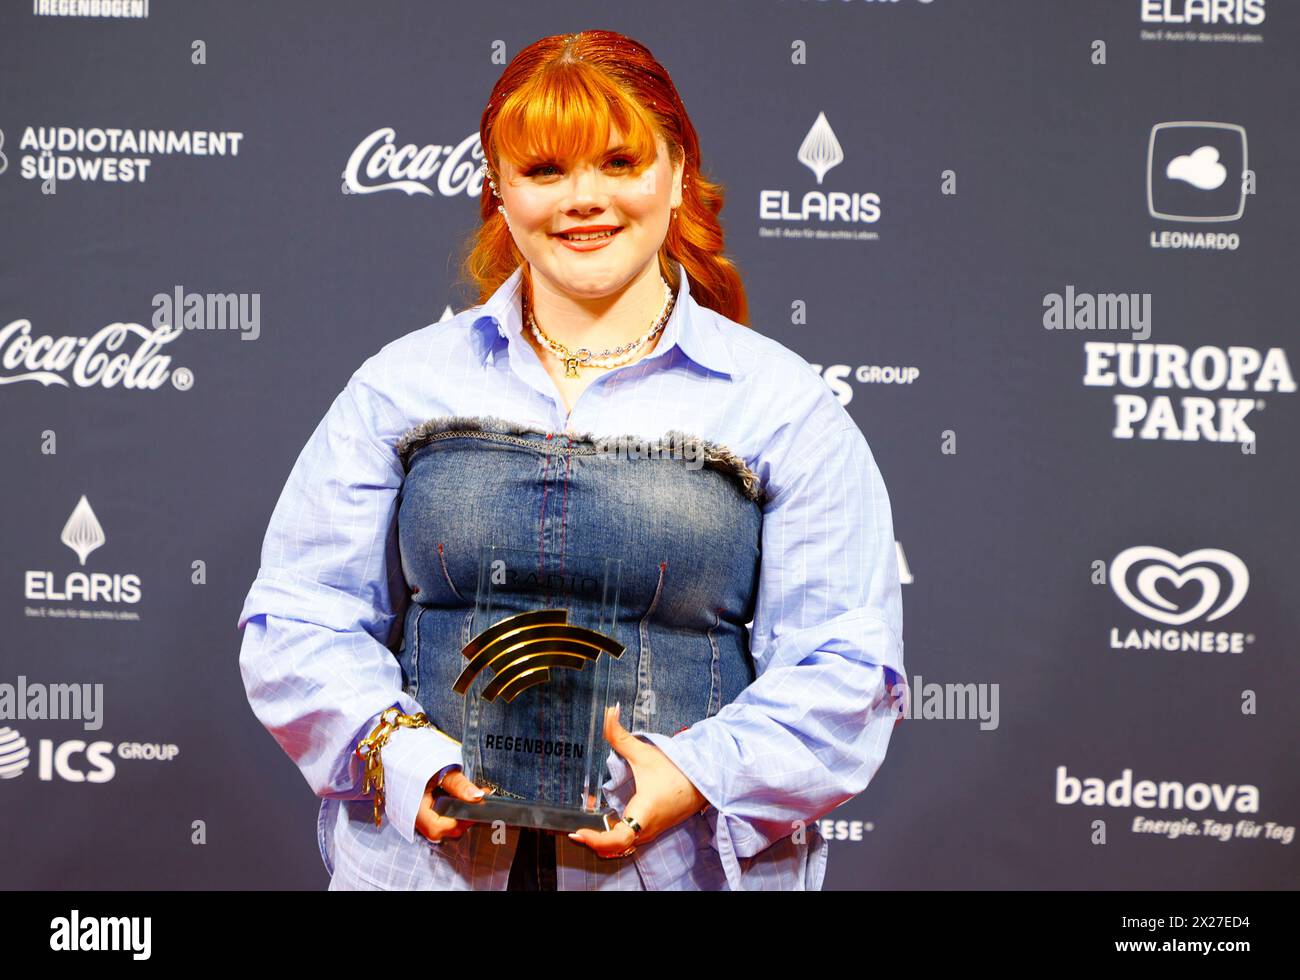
389	721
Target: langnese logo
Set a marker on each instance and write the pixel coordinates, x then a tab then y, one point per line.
377	164
824	213
1172	590
1206	370
69	592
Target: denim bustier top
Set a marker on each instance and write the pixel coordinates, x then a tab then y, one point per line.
686	523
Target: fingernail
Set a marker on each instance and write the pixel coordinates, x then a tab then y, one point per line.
575	837
477	794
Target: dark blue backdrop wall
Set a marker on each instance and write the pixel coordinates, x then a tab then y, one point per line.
1065	324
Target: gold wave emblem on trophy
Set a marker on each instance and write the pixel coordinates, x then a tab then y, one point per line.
522	649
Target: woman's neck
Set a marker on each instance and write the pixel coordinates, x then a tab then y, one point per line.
600	322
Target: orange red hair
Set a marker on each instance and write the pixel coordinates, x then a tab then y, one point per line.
556	101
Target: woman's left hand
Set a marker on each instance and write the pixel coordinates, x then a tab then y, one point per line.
663	796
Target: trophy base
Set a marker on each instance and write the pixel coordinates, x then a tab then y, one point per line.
521	813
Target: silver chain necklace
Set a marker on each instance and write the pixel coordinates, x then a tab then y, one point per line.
611	357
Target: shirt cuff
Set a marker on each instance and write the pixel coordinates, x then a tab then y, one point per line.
411	758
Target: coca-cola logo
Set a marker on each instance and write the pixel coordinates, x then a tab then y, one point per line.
379	164
103	359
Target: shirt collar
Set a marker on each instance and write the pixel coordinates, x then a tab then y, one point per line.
689	326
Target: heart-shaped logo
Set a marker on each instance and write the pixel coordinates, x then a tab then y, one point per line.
1158	565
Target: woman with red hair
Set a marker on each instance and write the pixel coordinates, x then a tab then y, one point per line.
760	613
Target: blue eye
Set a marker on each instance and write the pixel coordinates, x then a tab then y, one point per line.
540	169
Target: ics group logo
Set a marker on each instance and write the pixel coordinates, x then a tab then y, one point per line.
15	755
839	376
75	760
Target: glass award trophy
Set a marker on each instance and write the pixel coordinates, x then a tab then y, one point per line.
535	682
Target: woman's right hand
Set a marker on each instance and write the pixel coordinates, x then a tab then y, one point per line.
433	825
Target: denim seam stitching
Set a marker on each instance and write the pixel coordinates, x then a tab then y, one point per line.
645	662
715	672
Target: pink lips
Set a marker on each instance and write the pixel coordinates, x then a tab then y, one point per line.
588	246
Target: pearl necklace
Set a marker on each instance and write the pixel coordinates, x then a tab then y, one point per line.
611	357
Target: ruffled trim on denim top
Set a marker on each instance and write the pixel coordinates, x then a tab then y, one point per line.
716	455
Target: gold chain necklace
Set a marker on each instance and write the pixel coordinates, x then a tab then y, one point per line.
611	357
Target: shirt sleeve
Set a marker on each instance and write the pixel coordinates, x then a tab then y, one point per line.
812	729
314	660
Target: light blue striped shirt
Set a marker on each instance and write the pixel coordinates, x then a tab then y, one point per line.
826	637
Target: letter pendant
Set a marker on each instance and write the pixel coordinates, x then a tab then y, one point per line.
570	367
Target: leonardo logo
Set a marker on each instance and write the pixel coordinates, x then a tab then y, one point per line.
1205	584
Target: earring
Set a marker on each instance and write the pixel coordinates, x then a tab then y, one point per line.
483	169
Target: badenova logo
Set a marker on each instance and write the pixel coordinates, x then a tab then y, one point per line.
1174	590
83	534
1146	794
1203	12
379	164
1204	369
820	152
100	360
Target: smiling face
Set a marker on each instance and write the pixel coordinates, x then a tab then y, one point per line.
544	200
